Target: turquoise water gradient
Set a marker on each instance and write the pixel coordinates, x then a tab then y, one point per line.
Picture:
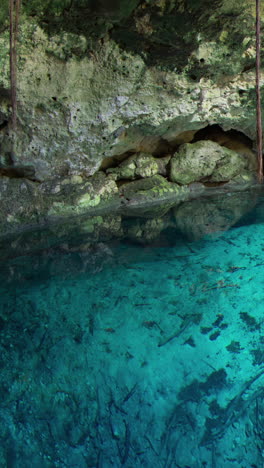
143	347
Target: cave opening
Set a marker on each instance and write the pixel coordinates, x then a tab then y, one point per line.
159	146
232	139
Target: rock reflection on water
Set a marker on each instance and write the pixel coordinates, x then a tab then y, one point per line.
89	245
198	218
195	218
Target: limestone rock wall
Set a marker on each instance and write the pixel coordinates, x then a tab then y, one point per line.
99	81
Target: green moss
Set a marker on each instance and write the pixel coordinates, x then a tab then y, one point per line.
152	188
87	201
205	160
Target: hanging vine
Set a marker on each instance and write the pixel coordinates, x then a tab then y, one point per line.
14	13
258	94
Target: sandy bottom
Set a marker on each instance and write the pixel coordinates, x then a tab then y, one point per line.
136	356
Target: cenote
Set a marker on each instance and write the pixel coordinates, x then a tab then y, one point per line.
136	342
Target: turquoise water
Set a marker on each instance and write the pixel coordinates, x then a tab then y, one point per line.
136	342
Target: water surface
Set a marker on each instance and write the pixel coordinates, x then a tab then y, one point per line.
136	342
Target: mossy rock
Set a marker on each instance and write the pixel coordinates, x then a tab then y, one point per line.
205	160
151	197
150	188
96	190
140	165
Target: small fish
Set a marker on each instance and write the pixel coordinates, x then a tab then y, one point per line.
109	330
91	325
150	324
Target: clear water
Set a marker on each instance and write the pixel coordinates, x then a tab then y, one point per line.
136	342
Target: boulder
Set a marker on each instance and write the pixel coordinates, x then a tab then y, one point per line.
140	165
151	188
151	197
205	160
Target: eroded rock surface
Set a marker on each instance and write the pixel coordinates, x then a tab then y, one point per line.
106	81
139	166
206	160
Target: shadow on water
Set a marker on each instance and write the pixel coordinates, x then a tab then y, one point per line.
136	342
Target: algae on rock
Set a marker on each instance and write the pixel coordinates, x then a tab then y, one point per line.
140	165
97	81
205	160
82	101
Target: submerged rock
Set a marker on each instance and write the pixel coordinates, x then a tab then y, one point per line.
92	192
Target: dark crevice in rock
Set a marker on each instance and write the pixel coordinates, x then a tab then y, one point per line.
152	144
92	18
248	67
114	161
18	172
213	184
3	124
162	33
131	166
159	33
232	139
13	170
122	182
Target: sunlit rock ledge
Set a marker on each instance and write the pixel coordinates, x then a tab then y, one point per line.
141	184
35	206
198	213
